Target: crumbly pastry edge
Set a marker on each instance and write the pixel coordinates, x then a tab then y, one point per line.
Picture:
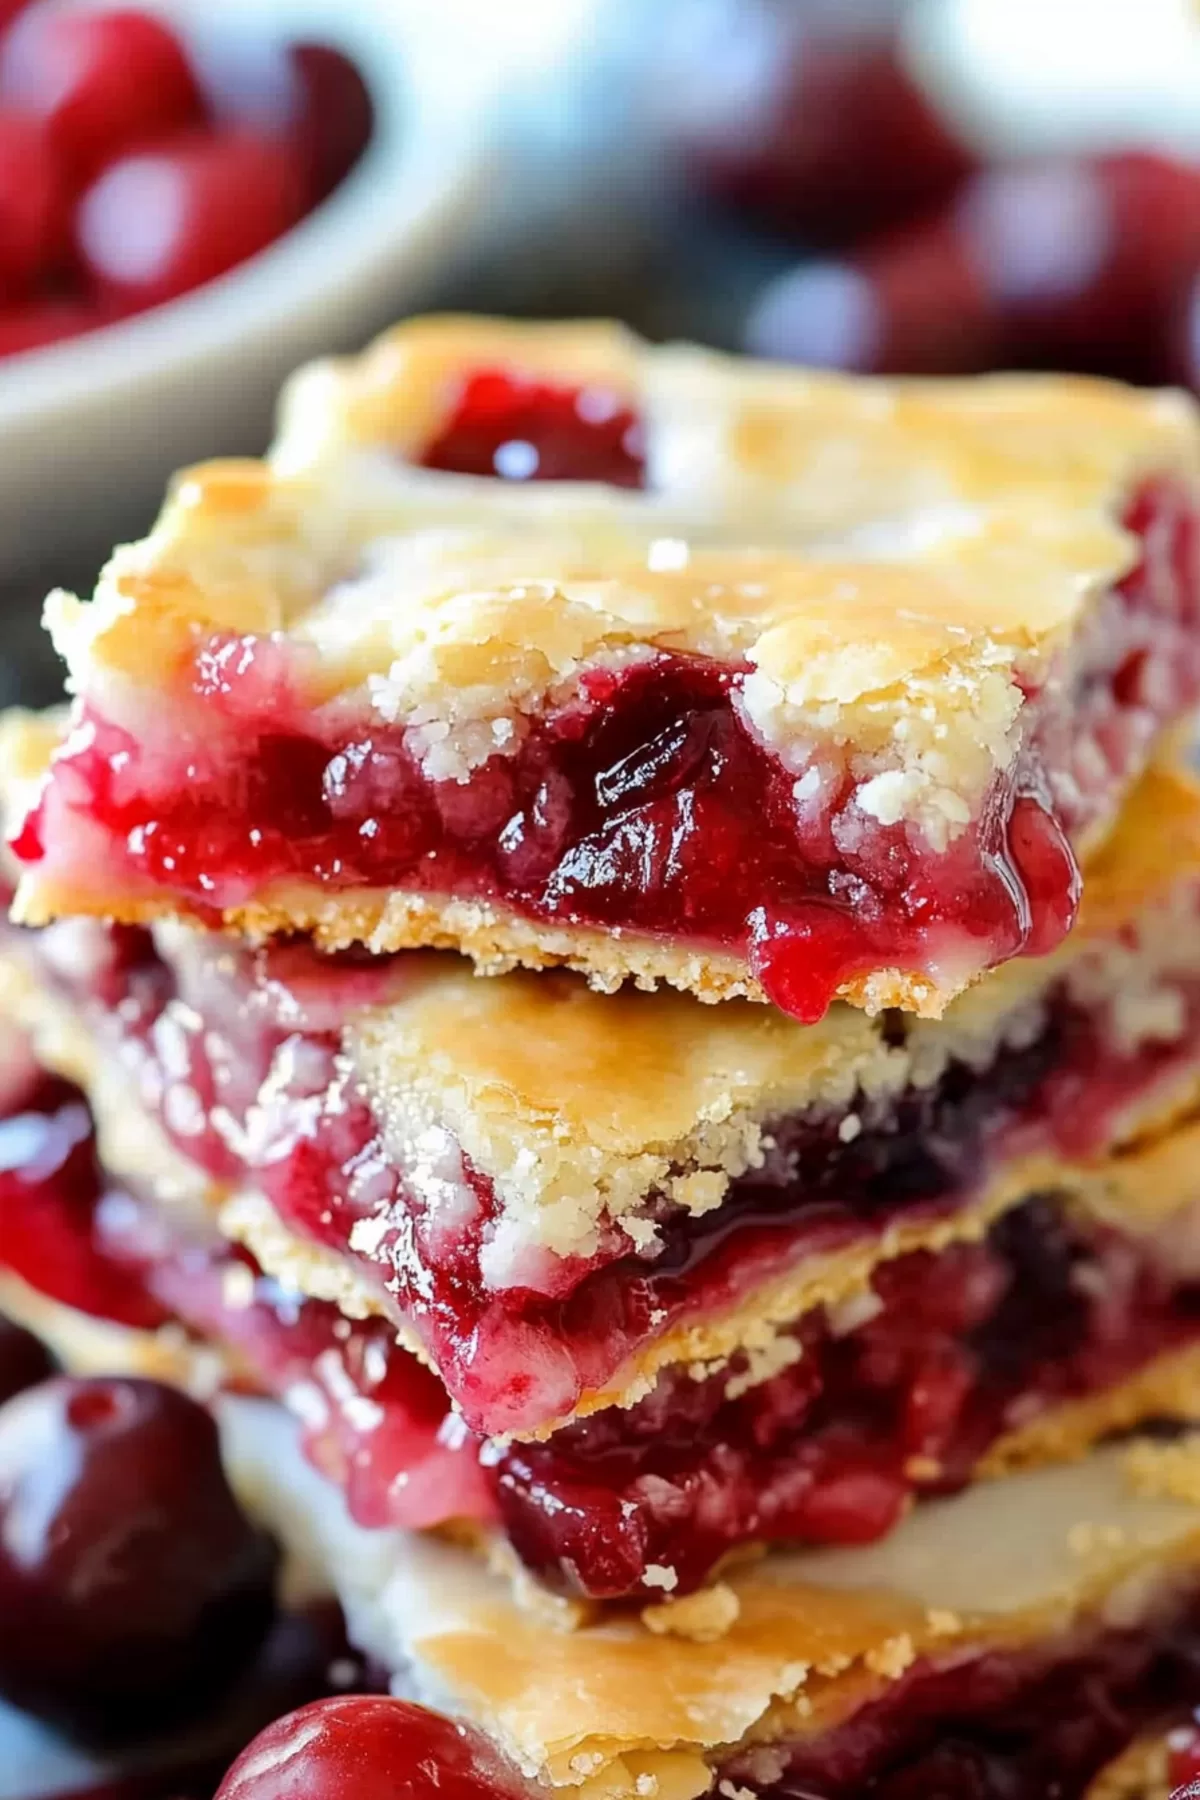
809	1638
230	547
1146	1186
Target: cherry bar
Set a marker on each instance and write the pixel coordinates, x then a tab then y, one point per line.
495	697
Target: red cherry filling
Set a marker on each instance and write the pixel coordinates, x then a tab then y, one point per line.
1005	1725
24	1360
50	1186
1183	1761
896	1395
504	424
376	1749
131	1585
645	805
876	1410
208	1034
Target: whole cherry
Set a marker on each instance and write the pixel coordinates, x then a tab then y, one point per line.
131	1584
171	215
99	80
374	1749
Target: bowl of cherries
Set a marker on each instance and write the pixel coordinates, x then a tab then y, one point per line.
193	198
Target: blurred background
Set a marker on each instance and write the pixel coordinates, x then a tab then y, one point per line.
197	194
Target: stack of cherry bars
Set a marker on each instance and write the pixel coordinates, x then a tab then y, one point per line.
629	923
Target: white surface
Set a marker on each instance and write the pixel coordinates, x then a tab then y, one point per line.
1035	77
90	429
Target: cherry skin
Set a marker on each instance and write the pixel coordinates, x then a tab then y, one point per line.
373	1749
100	81
131	1584
165	219
33	203
334	119
784	113
34	324
307	94
24	1359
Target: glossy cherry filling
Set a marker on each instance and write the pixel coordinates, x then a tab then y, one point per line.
894	1395
50	1179
890	1397
644	803
504	424
1033	1724
239	1056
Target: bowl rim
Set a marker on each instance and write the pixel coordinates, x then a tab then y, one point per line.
425	156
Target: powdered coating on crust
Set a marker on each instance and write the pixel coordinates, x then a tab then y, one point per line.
893	565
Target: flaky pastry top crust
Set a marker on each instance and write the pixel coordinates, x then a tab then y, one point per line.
848	540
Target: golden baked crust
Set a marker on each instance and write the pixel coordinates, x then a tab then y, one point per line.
895	565
809	1638
1139	1774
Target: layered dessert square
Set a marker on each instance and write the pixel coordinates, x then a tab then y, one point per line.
539	644
995	1265
556	1196
1010	1644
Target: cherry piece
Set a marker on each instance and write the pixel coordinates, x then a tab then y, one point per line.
374	1749
131	1584
1183	1761
24	1359
502	423
37	323
161	221
817	129
334	119
102	81
308	95
913	304
51	1186
33	203
1089	260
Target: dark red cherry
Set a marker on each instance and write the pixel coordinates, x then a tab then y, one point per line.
35	324
306	95
371	1749
100	79
34	210
169	216
333	121
1088	258
505	424
24	1359
911	304
804	118
131	1584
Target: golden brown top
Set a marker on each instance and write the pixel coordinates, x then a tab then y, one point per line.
894	562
